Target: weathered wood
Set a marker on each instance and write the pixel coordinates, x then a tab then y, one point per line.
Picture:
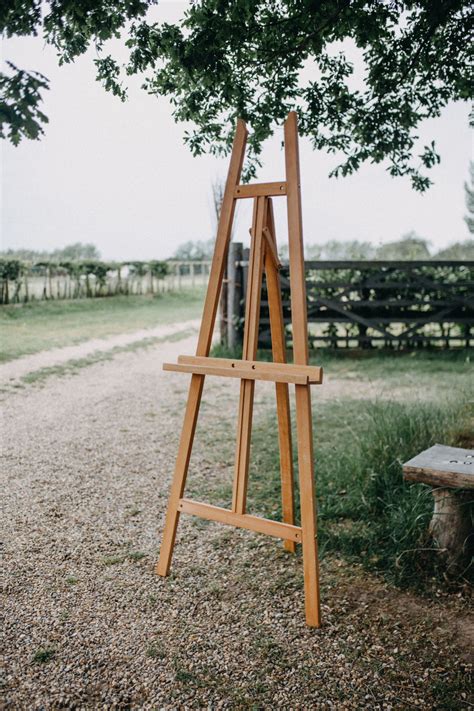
451	525
449	467
450	471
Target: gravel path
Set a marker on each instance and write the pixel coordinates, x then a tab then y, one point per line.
87	465
46	359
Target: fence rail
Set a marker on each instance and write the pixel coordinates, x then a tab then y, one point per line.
396	304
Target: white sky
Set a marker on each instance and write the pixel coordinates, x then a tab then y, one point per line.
118	175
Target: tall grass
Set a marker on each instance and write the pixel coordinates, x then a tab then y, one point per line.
366	510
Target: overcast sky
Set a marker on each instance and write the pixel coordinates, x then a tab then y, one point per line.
118	175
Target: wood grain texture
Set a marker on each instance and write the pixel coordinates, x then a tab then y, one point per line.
448	467
314	373
277	329
254	523
303	394
247	387
242	373
260	190
204	344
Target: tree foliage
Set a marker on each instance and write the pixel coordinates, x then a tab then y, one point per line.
70	253
258	59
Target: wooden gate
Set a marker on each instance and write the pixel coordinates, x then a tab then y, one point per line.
364	304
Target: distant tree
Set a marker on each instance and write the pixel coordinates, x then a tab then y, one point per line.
469	218
218	187
259	58
458	250
409	247
76	251
352	249
195	251
72	252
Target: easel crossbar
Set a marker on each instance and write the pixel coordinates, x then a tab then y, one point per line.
254	369
277	529
260	190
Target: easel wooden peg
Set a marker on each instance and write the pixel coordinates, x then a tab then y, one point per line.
263	257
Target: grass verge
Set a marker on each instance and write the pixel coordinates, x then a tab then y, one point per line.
366	510
30	328
73	366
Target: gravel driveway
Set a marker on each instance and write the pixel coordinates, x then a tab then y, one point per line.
87	465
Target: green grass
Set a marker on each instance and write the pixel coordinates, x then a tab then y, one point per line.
41	325
374	364
43	655
73	366
366	510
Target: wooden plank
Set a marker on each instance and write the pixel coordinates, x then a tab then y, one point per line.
260	190
282	392
274	376
447	467
313	372
253	523
204	344
303	395
247	387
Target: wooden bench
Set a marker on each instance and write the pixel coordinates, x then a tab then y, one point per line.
450	471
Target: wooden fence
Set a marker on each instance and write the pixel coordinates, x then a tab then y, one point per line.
364	304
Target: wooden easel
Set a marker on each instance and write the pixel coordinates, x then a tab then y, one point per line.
263	255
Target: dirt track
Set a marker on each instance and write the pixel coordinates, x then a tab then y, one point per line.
87	465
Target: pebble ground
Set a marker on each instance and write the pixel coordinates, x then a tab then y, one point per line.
86	469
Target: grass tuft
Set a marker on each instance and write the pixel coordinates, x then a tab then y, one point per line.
43	655
366	509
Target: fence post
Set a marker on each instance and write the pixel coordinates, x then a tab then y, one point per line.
234	293
222	307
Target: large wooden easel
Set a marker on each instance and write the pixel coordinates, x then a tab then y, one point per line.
263	256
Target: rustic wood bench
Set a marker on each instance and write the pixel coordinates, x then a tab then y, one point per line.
450	471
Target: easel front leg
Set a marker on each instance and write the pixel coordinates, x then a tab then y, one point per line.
308	506
180	473
300	356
